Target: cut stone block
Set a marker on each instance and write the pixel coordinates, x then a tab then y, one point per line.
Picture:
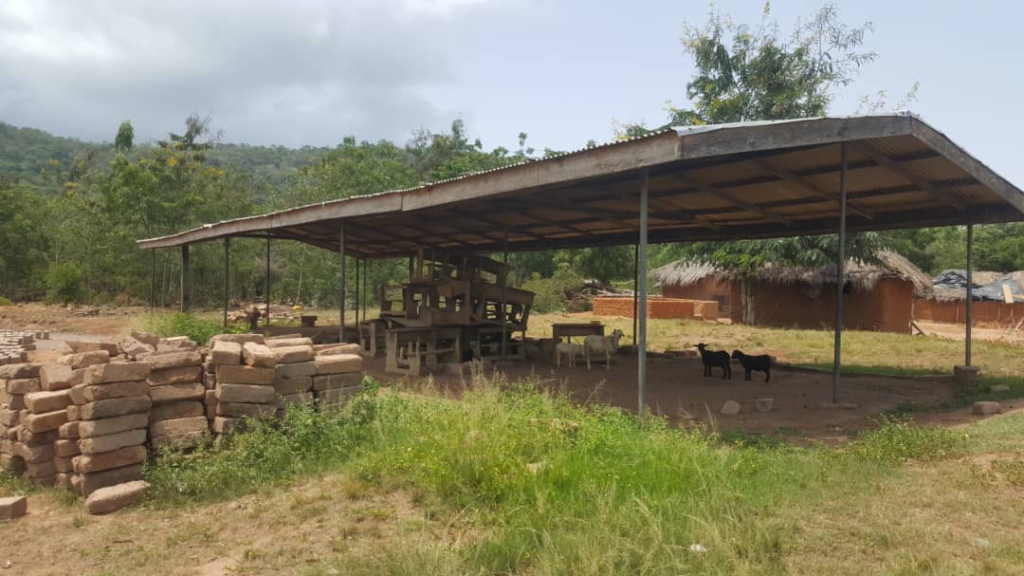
43	481
293	354
111	442
177	343
238	410
288	342
133	348
224	352
35	454
339	364
64	465
113	498
73	413
110	391
336	381
294	370
179	426
115	407
11	401
44	469
257	356
78	347
146	338
19	371
337	396
174	360
335	349
29	437
46	421
226	425
68	431
987	408
90	483
86	359
247	393
291	386
238	338
13	507
92	428
10	418
300	398
177	392
40	402
175	376
88	463
180	441
731	408
23	386
55	377
66	448
64	481
175	410
244	375
122	372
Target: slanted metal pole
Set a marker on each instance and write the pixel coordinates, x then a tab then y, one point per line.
636	280
267	293
227	276
185	280
840	277
357	297
642	285
341	256
504	295
970	294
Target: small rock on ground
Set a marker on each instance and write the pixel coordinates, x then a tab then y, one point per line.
13	507
987	408
764	404
1000	388
731	408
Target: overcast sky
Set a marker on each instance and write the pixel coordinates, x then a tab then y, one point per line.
313	71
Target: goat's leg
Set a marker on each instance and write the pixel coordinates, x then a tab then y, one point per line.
607	360
586	353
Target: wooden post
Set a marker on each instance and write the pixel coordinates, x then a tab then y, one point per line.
642	285
840	276
185	280
227	276
970	294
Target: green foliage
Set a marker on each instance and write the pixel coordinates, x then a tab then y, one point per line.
900	440
552	294
197	329
65	283
125	137
4	301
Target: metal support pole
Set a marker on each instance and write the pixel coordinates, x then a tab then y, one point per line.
227	276
357	297
636	280
341	315
185	279
840	277
970	294
366	295
152	281
267	294
642	285
504	296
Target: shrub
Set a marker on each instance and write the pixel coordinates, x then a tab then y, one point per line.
900	440
5	301
65	283
552	294
178	324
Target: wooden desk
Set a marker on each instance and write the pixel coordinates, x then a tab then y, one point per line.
569	330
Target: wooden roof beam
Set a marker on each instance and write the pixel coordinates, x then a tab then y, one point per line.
811	188
730	197
906	173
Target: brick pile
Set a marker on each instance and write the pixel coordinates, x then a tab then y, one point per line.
45	412
339	375
245	388
16	344
109	416
178	417
293	375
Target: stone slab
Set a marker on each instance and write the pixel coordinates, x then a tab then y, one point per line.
177	392
336	381
294	370
257	356
68	431
291	386
13	507
179	426
238	338
179	441
22	386
64	464
224	352
113	498
66	448
175	376
175	360
239	410
46	421
35	438
175	410
39	402
115	407
337	396
245	393
19	371
89	483
88	463
120	372
111	442
300	398
339	364
109	391
55	376
86	359
288	342
293	354
245	375
92	428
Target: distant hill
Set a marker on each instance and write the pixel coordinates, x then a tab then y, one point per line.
26	152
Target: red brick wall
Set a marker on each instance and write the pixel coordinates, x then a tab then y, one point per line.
728	295
656	308
985	312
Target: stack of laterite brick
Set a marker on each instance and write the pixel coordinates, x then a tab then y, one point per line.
293	375
244	390
178	418
30	419
339	375
45	412
16	380
109	415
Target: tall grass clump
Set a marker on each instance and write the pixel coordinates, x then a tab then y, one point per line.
180	324
899	440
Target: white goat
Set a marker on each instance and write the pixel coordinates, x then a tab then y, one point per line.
569	349
606	345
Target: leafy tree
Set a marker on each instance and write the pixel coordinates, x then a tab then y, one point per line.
125	137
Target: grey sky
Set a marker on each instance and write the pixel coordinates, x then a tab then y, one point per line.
313	71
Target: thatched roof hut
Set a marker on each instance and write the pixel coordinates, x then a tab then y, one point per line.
862	276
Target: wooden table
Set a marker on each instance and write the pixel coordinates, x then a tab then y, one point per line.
410	349
569	330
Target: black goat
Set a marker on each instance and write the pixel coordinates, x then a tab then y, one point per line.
762	363
715	359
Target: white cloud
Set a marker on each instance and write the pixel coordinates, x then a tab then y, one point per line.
306	71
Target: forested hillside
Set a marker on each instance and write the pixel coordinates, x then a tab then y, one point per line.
70	211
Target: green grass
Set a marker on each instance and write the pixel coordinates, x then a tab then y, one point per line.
549	487
198	329
4	301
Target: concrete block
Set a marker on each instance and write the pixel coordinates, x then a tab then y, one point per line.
339	364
